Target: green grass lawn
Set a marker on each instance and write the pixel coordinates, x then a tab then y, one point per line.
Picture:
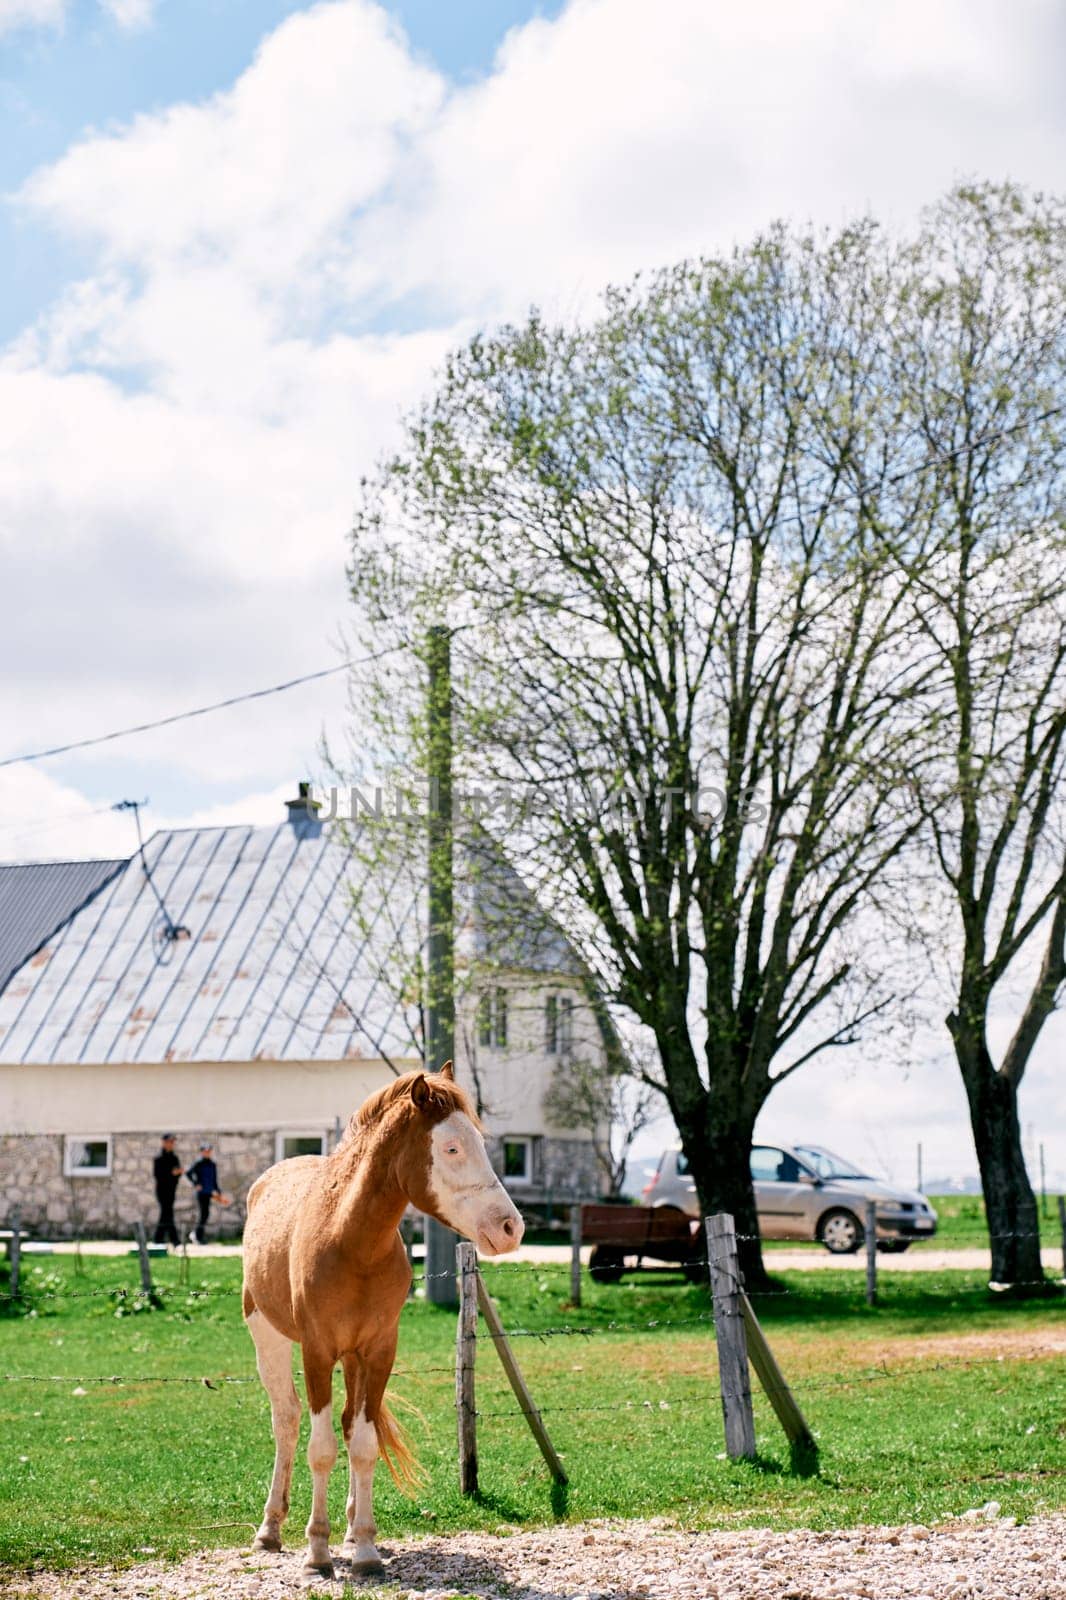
938	1399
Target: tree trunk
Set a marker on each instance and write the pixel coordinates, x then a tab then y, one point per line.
717	1143
1010	1205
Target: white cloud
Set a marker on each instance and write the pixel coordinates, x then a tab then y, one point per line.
130	14
188	423
47	820
262	181
606	141
31	14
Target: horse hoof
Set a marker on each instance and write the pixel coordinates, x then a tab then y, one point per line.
368	1568
266	1541
314	1570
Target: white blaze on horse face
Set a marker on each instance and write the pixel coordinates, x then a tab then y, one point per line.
469	1195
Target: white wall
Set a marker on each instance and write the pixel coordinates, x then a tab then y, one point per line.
185	1095
514	1079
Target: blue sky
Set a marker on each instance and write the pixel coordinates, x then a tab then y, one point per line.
237	239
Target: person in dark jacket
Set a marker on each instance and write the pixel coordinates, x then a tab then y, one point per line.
167	1169
203	1175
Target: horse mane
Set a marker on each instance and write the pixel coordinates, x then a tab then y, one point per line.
443	1096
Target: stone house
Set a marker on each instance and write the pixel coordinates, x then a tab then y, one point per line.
232	985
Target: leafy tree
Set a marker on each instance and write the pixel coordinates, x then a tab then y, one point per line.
666	546
980	361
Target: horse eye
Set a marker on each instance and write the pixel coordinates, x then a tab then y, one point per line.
453	1149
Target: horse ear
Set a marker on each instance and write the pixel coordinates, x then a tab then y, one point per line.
420	1091
447	1072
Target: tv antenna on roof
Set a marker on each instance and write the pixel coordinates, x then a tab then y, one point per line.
171	931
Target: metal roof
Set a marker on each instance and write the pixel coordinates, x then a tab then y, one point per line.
37	898
510	929
273	961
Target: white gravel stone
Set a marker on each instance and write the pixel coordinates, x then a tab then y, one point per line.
992	1560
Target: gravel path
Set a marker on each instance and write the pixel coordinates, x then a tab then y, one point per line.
977	1557
925	1256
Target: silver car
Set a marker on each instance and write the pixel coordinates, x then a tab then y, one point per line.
805	1192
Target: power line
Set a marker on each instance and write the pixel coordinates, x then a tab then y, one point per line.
861	490
184	716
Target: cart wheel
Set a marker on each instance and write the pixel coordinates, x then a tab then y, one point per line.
606	1263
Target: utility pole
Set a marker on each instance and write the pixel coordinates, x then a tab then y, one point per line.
441	1286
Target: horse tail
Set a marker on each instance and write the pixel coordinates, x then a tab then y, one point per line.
395	1449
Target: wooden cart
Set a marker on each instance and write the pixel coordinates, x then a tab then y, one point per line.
625	1237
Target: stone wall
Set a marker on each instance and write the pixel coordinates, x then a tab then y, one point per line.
562	1169
57	1207
54	1206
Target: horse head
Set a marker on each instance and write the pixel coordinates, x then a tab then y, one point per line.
443	1167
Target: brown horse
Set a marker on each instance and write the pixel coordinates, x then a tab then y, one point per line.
325	1268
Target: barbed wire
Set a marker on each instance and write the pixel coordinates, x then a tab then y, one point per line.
175	1298
211	1381
219	1380
919	1369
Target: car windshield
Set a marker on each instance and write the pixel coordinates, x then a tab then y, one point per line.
826	1164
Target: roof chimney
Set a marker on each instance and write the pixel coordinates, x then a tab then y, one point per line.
303	812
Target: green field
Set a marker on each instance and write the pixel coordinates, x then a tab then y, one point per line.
935	1401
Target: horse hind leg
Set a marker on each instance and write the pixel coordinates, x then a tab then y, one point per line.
361	1437
273	1359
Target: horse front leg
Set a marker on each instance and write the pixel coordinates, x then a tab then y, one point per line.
360	1435
321	1455
273	1359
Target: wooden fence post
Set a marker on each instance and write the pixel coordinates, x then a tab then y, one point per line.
465	1352
871	1253
1062	1225
772	1379
147	1286
15	1251
575	1253
518	1383
729	1332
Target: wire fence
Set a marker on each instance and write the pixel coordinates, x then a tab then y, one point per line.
216	1383
183	1294
179	1295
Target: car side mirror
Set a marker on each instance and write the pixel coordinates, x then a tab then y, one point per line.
811	1178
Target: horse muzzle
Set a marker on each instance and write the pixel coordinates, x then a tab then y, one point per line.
498	1235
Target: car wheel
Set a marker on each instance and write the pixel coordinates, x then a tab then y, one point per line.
606	1264
895	1247
841	1232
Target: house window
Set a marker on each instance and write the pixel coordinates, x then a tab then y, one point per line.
517	1160
87	1155
492	1019
566	1024
559	1024
299	1144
